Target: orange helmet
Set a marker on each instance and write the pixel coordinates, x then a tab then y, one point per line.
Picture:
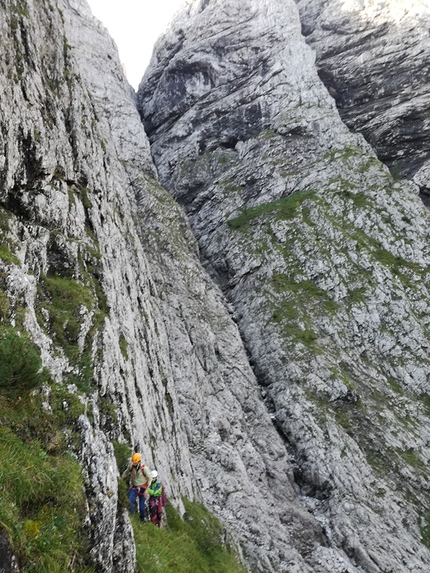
135	458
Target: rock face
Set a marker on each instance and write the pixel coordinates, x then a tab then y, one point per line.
149	343
7	561
324	259
284	381
374	59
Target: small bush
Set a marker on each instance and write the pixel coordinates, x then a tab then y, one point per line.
20	362
122	456
7	256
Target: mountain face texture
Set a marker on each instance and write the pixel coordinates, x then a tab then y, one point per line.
252	307
322	254
374	59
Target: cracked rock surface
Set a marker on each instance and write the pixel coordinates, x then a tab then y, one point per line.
252	283
154	353
323	256
374	59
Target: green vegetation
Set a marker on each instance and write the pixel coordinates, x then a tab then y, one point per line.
395	172
20	9
425	531
396	263
61	302
344	154
343	417
285	208
283	283
6	246
7	256
86	202
42	503
191	545
359	199
4	305
20	362
412	459
123	344
266	134
294	306
122	455
356	295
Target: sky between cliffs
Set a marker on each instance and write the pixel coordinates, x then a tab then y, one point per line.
135	26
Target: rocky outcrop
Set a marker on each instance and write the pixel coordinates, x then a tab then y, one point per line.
99	266
323	257
284	382
373	58
77	281
7	561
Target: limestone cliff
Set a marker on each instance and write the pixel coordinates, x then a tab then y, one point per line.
324	258
374	59
100	267
284	381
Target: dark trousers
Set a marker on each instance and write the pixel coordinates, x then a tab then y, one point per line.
155	510
132	494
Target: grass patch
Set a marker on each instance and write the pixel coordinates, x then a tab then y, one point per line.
42	500
4	305
42	505
344	154
123	344
295	304
359	199
7	256
396	263
342	417
283	283
62	300
21	9
191	545
86	202
412	459
356	296
123	453
425	531
286	208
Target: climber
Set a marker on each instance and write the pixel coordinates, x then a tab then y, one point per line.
140	480
157	499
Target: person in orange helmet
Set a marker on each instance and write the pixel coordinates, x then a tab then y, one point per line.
140	478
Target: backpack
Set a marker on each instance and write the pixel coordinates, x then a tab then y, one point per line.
157	489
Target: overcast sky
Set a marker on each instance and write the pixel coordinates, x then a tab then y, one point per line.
135	26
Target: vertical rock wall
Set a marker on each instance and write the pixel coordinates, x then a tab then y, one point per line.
374	59
67	206
298	382
323	257
100	267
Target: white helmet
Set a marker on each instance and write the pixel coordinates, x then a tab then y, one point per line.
154	473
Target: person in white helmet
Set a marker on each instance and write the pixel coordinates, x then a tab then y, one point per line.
157	499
